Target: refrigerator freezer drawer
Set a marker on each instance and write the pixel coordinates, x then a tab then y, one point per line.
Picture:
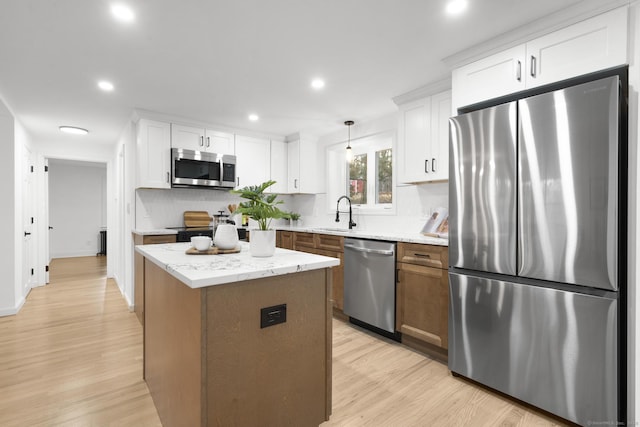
554	349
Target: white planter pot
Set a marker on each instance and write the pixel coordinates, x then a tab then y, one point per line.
262	243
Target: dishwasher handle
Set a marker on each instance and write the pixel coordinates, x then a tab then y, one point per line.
369	251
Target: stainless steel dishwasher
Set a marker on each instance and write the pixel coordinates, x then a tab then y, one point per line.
370	283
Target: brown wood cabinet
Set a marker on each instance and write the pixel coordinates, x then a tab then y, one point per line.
422	294
138	266
319	244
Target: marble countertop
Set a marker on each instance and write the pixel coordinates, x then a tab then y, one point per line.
355	233
375	235
198	271
154	232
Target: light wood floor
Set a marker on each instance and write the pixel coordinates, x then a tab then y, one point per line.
73	357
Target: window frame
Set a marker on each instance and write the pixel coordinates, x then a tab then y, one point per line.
370	144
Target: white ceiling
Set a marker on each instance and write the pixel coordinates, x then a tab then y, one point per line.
217	61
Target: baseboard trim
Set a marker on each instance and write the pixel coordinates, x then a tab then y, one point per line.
12	311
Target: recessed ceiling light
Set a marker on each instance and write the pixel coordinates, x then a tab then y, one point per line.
317	84
455	7
74	130
122	12
253	117
105	85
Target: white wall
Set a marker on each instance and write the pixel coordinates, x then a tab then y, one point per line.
164	208
77	207
9	243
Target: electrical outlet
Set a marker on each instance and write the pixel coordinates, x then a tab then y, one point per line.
274	315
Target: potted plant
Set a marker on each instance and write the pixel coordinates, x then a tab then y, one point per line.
262	208
294	217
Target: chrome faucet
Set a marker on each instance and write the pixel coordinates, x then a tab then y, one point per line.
351	223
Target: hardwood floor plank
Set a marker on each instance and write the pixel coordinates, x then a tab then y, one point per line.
73	357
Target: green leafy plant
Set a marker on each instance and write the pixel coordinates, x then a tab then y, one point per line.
259	206
294	216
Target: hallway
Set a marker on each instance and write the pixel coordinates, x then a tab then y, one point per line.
73	355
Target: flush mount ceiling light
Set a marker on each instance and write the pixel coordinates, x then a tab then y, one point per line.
122	12
317	84
253	117
74	130
349	123
455	7
105	85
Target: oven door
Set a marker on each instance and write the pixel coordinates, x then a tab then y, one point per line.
195	168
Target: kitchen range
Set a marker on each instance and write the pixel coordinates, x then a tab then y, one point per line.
537	247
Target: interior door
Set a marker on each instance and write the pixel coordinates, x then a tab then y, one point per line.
482	185
28	219
568	206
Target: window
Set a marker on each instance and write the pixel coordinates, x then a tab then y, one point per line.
368	179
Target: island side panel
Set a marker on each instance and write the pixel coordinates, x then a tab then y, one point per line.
173	347
278	375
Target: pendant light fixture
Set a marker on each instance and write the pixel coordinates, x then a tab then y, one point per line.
349	123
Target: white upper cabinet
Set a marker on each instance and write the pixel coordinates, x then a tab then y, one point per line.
153	151
423	139
194	138
304	167
491	77
591	45
253	160
279	166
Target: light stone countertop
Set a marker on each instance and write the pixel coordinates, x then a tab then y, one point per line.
355	233
154	232
374	235
198	271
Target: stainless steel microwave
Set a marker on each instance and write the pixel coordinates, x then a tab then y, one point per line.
190	168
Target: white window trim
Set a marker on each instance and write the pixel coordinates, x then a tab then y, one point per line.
337	176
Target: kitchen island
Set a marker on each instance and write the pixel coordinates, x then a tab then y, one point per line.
237	340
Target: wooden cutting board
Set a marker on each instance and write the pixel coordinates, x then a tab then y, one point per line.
197	219
214	250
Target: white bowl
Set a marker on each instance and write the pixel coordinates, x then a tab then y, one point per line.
201	243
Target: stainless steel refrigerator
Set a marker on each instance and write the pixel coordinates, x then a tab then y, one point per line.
535	249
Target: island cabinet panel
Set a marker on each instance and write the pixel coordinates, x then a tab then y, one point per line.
173	347
422	297
138	259
278	375
208	361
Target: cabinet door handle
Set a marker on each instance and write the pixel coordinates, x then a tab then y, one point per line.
295	183
533	66
168	177
208	142
433	165
519	72
201	141
426	166
238	182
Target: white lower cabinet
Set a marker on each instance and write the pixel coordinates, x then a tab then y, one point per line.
423	139
591	45
153	151
253	160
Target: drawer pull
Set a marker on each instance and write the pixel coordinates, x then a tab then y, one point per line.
422	255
